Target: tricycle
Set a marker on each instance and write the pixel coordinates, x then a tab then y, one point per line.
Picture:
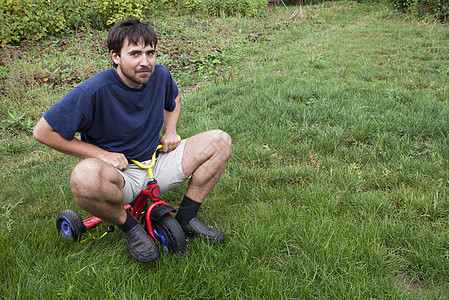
156	217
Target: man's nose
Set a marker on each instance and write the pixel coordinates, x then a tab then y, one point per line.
145	61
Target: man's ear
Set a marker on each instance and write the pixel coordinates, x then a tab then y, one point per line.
115	57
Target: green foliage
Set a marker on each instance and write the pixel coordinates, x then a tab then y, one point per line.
24	19
18	121
227	7
3	72
37	19
116	10
439	9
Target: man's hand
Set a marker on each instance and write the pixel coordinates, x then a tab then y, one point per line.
170	141
117	160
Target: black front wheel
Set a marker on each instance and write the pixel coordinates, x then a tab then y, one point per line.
70	225
170	234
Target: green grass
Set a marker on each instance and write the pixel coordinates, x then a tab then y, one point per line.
337	186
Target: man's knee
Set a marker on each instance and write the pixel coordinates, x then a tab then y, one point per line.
85	178
223	142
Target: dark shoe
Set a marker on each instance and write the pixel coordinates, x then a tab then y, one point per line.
195	228
140	244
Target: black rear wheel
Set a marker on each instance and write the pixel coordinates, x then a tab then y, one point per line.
70	225
170	234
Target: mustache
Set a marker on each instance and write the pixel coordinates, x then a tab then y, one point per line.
144	69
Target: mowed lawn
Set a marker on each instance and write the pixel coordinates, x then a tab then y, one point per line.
337	186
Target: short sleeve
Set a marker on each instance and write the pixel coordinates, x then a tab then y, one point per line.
71	114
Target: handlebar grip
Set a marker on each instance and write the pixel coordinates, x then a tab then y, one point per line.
148	167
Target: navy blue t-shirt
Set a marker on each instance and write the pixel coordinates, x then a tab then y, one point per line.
115	117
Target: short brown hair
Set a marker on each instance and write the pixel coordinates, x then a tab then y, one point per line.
134	31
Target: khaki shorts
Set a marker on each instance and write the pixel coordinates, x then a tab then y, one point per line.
167	170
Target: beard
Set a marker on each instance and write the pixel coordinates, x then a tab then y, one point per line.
140	76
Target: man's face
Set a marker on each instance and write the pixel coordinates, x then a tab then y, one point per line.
135	63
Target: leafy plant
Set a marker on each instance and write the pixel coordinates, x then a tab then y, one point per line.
18	121
316	61
227	7
38	19
26	19
422	8
115	10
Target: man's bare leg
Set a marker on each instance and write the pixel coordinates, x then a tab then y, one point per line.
96	187
205	158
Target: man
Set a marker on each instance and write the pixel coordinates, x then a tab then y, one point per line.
120	113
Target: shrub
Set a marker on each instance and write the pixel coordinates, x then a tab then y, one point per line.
37	19
26	19
116	10
438	9
227	7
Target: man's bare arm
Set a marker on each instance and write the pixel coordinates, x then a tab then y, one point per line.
170	139
45	134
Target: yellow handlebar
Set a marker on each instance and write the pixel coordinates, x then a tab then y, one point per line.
148	167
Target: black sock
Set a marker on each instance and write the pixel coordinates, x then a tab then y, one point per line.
187	210
129	223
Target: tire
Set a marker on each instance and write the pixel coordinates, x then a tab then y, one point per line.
70	225
170	234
